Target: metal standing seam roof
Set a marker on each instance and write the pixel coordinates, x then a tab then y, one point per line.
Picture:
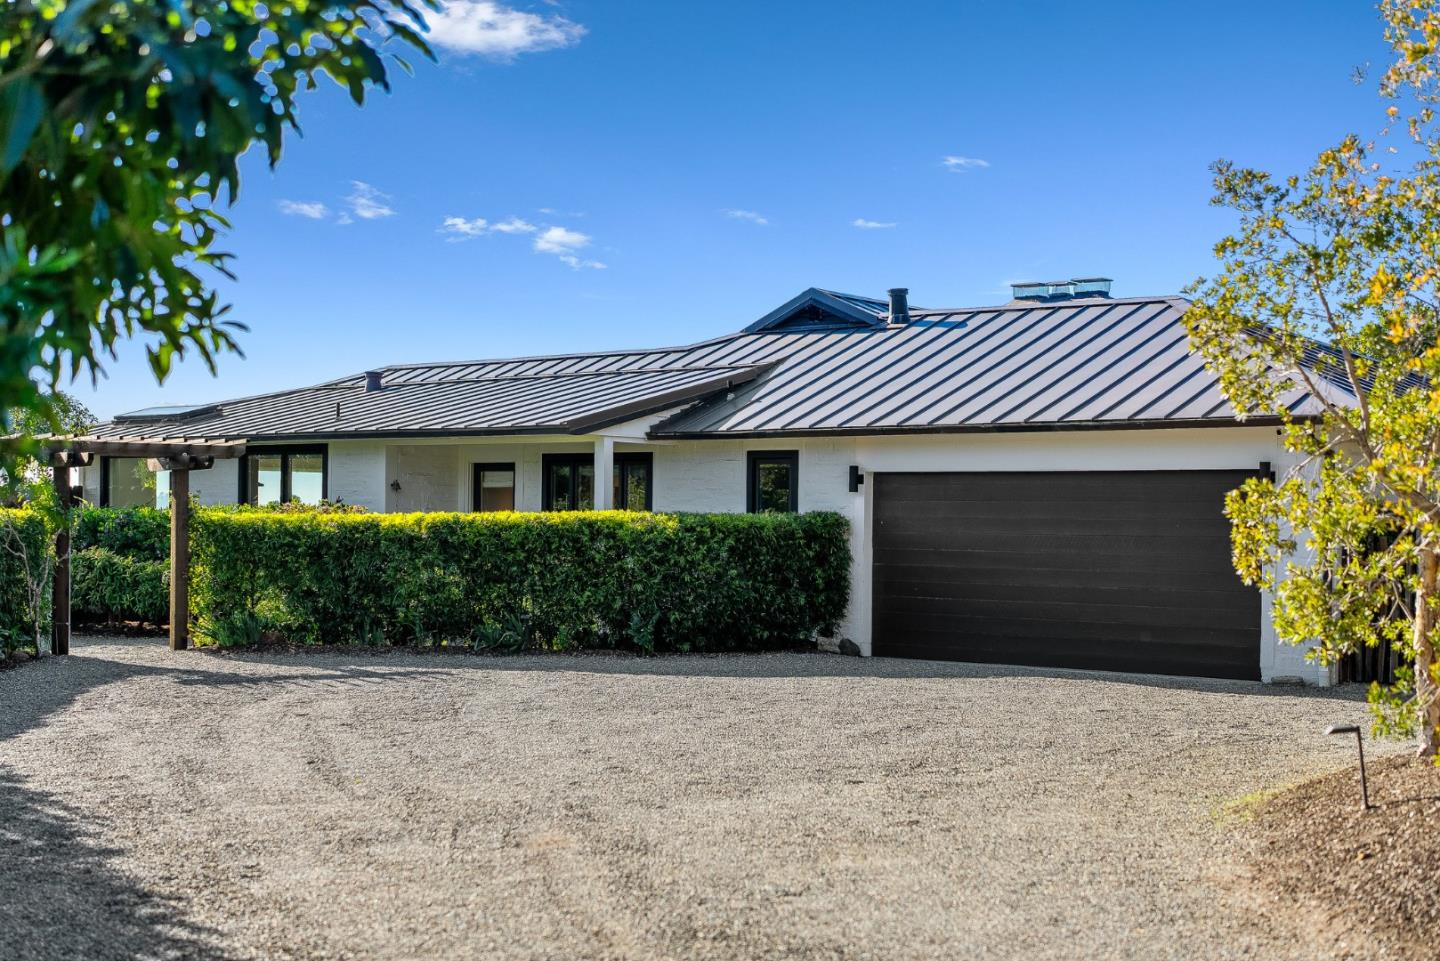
1099	362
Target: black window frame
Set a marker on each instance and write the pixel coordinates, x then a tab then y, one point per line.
633	459
285	451
548	461
622	460
755	458
477	469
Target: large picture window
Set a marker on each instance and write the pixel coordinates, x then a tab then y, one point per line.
129	482
270	475
772	484
569	482
494	487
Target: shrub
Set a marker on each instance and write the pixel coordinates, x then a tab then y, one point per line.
137	532
25	578
500	581
110	587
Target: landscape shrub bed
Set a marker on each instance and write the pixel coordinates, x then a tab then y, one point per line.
120	567
509	581
109	587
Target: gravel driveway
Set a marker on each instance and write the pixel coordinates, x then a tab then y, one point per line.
158	805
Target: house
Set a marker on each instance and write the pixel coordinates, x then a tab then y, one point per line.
1038	482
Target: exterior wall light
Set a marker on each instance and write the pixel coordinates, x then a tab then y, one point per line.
856	478
395	486
1360	747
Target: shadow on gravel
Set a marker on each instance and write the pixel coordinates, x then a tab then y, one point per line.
757	665
33	692
63	896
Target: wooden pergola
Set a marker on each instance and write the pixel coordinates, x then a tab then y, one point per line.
179	456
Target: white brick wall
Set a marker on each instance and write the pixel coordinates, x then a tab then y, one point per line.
356	474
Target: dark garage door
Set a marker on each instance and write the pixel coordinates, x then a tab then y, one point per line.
1109	570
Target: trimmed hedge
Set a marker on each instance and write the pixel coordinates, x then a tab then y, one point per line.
110	587
142	533
508	580
21	531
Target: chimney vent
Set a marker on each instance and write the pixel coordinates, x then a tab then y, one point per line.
1049	291
899	306
374	381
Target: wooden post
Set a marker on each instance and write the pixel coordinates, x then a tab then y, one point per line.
60	598
179	559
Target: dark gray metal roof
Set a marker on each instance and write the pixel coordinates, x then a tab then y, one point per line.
1076	363
1072	364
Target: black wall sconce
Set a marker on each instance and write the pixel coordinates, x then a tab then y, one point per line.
856	478
395	486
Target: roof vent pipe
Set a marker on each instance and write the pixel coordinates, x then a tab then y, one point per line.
899	306
373	381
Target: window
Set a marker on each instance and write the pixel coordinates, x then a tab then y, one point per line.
494	487
283	474
772	483
129	482
568	482
633	486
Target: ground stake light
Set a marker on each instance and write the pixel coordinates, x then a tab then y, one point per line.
1360	747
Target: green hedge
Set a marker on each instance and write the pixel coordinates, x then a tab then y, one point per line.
508	580
142	533
22	535
110	587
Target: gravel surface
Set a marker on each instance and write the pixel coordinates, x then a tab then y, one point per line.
399	806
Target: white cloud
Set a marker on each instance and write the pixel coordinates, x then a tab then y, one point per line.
563	242
313	209
367	203
461	229
575	263
864	224
494	30
514	226
958	165
747	215
560	240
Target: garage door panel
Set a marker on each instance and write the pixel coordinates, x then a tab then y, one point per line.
1110	570
1176	659
959	559
1126	543
1080	635
1051	578
1131	598
1059	510
1094	528
1162	487
1064	614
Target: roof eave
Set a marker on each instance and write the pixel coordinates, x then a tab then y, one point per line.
1048	427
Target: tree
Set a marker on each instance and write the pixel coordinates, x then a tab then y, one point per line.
121	125
1329	289
18	473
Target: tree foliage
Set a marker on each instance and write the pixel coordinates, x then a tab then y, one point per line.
121	126
1324	313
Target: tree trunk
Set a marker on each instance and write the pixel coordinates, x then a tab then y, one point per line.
1427	694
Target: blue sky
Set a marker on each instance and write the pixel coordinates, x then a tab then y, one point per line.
717	159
